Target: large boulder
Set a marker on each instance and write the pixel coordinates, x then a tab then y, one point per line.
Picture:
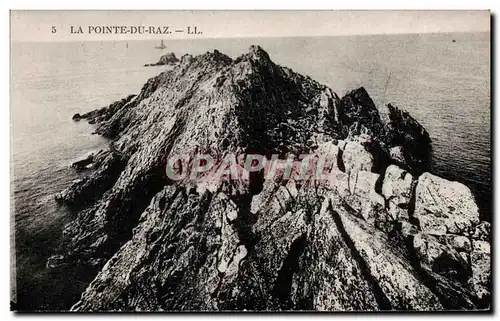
327	156
397	190
443	206
356	158
440	257
362	196
358	114
82	164
404	130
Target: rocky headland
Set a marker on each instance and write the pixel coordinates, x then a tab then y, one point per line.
382	234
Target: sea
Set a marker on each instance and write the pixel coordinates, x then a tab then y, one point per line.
443	80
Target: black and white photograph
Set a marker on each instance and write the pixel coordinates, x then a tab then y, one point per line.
251	161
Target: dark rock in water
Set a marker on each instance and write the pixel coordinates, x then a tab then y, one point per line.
403	130
358	115
105	113
82	164
109	165
373	237
167	59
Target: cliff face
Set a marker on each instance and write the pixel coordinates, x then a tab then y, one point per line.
380	234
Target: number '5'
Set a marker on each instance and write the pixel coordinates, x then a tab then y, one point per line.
54	29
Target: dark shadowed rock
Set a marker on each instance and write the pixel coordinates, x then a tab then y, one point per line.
82	164
482	232
404	131
105	113
400	139
358	114
167	59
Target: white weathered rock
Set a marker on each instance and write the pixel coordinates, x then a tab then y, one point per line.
397	190
341	144
481	269
397	154
443	206
328	149
395	275
357	158
362	196
460	243
337	278
327	157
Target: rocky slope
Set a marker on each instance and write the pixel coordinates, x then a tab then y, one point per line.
381	234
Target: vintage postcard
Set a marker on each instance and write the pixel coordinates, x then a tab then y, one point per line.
250	161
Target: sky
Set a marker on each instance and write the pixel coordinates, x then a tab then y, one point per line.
55	26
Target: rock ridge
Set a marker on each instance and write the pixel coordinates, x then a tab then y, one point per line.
382	234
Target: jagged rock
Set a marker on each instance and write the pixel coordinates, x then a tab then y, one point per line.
405	141
481	270
166	59
362	196
444	207
440	257
482	231
103	114
264	244
55	261
397	189
459	243
87	190
397	155
356	158
404	130
399	287
357	115
82	164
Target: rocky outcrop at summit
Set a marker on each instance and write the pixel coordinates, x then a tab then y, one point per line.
380	233
167	59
